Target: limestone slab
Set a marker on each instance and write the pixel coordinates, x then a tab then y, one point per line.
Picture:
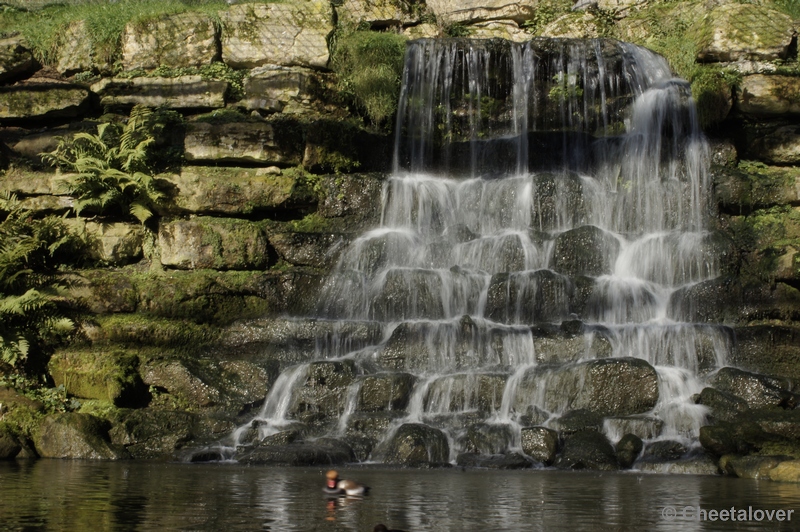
277	34
183	92
765	95
467	11
182	40
15	59
216	243
734	32
238	142
232	191
41	100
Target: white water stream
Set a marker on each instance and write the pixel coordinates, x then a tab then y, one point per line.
478	221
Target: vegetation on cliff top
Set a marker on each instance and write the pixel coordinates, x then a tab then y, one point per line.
44	28
370	66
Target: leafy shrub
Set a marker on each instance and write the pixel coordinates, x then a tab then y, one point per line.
31	251
369	66
113	172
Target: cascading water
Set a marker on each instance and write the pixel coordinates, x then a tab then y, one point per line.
548	200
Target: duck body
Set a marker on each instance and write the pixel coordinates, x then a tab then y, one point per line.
336	487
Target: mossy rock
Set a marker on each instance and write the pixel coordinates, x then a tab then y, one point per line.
217	243
237	192
99	374
149	433
41	101
74	435
143	330
733	32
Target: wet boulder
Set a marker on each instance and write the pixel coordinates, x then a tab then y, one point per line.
528	297
365	430
558	202
490	438
73	435
587	250
481	392
724	406
318	250
578	420
415	444
609	386
494	461
643	427
9	444
385	392
752	466
408	294
587	449
696	465
540	443
628	449
322	396
147	433
177	379
757	390
663	450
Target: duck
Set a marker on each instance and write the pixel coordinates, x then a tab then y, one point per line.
335	486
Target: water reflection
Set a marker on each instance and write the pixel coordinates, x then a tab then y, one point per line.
143	496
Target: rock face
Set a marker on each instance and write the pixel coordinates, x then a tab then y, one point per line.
113	243
183	92
41	101
611	386
278	89
240	142
769	96
15	59
234	191
375	13
277	34
75	52
97	375
75	435
587	250
182	40
217	243
733	32
470	11
415	444
781	146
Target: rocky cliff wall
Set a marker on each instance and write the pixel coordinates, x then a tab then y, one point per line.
265	194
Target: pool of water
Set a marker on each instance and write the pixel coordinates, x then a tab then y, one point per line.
144	496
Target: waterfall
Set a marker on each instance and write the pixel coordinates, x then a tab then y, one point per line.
547	200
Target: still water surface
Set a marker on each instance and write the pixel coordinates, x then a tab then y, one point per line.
145	496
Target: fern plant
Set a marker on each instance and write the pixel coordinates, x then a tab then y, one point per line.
30	251
111	167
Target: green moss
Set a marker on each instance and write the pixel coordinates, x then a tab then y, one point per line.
143	330
369	66
312	223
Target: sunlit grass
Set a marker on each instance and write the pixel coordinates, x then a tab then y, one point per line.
43	28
